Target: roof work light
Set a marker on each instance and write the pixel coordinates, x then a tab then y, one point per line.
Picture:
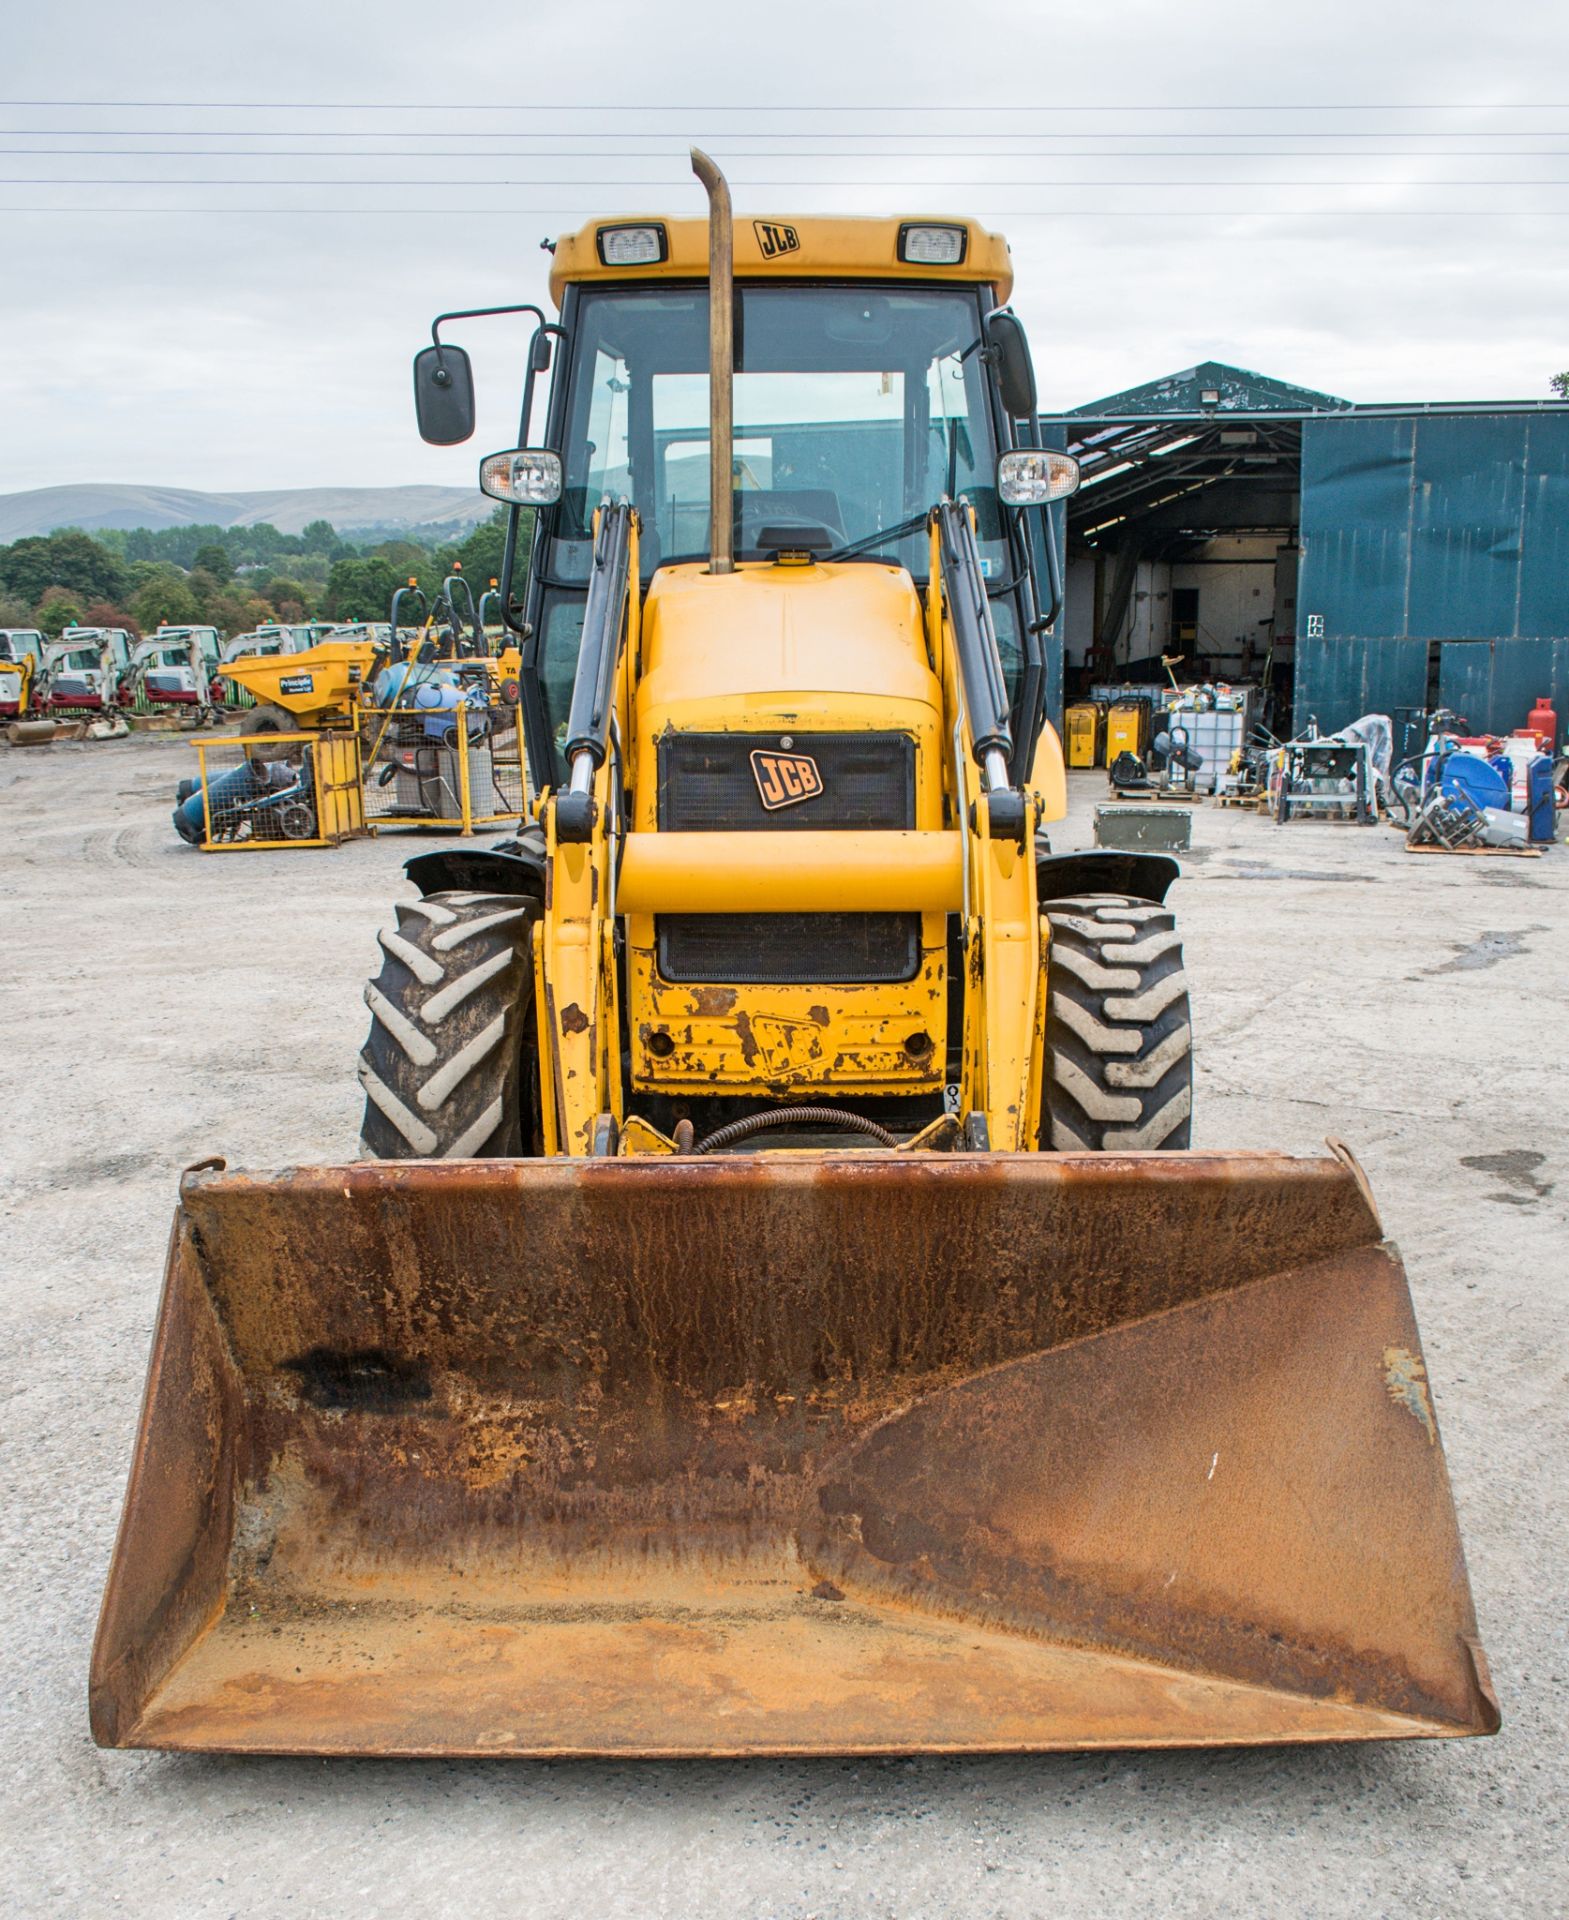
633	246
932	246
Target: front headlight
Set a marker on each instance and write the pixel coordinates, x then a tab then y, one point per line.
1029	478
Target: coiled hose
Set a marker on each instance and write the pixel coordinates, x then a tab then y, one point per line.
744	1128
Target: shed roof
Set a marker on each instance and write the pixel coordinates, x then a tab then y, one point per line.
1211	387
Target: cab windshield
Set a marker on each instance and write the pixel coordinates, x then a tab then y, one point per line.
856	409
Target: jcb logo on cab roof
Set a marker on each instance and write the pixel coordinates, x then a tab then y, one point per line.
775	239
785	779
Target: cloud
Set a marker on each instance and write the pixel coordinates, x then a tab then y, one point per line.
238	347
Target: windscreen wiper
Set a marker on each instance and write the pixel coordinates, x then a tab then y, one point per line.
888	534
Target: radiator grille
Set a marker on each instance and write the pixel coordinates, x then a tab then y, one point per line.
709	783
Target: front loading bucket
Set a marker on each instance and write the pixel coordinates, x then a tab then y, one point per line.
793	1453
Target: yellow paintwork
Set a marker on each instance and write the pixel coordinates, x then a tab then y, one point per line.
796	1041
340	792
336	780
1083	733
1049	776
1125	728
1004	958
21	672
828	248
814	873
819	649
793	649
576	993
335	668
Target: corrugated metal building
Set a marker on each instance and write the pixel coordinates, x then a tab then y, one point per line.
1351	558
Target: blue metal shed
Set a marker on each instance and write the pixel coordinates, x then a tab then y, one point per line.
1434	532
1422	550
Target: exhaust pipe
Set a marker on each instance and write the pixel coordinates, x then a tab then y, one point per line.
721	365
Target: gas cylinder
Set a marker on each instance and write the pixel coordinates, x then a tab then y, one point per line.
1543	722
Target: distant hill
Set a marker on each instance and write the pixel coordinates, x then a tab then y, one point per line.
289	509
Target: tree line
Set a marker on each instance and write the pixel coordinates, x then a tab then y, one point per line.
232	578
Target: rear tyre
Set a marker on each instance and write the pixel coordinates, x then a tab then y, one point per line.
450	1065
1118	1073
270	720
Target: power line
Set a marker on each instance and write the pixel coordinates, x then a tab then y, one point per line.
732	106
679	143
761	153
781	186
1205	212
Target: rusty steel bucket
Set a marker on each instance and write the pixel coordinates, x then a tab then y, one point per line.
848	1452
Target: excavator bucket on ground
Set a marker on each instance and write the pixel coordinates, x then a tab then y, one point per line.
848	1452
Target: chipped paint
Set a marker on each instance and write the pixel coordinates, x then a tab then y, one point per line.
714	1000
1405	1378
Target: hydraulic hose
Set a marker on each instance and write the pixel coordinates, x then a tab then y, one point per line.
744	1128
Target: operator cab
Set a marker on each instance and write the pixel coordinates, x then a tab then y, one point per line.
876	372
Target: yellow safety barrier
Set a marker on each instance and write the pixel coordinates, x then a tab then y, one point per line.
453	767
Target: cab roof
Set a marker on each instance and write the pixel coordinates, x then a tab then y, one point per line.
770	248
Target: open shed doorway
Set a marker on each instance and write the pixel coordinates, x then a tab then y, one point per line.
1184	538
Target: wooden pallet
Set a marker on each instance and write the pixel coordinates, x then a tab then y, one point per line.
1242	802
1495	853
1153	796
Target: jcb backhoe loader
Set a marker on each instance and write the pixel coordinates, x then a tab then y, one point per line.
778	1309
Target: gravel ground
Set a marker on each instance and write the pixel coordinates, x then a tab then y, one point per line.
161	1005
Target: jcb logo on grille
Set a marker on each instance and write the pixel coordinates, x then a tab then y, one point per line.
775	239
785	779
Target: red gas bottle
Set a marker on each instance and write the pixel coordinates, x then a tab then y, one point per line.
1543	722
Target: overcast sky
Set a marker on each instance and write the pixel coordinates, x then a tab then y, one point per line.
1343	195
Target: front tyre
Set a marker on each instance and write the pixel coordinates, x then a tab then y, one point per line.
449	1066
1118	1073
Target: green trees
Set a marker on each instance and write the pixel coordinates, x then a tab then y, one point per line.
163	597
234	577
481	551
319	537
57	609
69	559
362	589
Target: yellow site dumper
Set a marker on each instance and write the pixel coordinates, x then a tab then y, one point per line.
778	1309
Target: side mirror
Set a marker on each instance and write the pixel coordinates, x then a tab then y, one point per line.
443	395
1009	354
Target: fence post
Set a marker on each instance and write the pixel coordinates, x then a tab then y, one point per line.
461	714
201	774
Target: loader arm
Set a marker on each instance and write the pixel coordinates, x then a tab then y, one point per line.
576	998
1003	933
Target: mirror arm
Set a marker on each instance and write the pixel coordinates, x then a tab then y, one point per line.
538	362
478	313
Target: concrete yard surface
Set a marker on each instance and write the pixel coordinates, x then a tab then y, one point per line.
162	1005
